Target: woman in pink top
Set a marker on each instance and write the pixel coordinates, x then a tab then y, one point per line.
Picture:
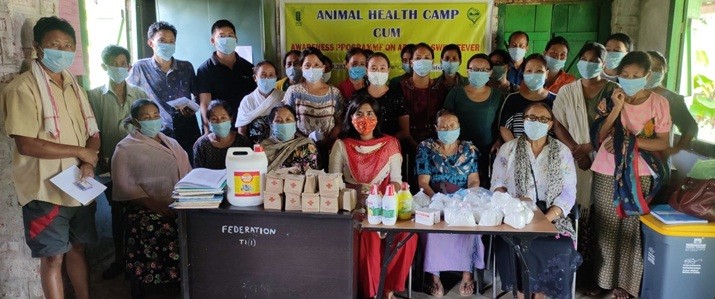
630	130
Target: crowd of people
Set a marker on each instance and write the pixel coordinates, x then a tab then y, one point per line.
513	123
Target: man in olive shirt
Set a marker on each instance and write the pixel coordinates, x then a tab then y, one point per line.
48	116
111	104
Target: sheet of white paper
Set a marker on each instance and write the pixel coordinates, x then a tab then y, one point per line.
66	182
184	102
246	52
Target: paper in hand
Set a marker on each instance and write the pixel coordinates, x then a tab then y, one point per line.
84	191
184	102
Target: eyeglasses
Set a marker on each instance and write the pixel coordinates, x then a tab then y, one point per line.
541	119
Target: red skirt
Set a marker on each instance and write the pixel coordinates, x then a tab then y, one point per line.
371	251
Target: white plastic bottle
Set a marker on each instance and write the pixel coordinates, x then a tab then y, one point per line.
246	175
374	206
389	206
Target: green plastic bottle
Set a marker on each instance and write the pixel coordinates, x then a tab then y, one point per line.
404	202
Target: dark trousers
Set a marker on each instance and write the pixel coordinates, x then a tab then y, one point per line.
186	132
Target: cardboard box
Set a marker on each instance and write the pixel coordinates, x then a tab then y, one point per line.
272	201
310	202
329	204
427	216
330	183
274	183
293	183
347	199
293	202
311	183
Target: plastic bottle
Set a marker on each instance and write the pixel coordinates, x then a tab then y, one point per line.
374	206
404	202
246	175
389	206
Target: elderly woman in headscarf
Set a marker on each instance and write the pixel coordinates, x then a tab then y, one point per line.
284	147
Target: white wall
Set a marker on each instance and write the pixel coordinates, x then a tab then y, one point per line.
654	24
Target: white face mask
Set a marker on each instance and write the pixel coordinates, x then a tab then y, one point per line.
377	78
535	130
313	75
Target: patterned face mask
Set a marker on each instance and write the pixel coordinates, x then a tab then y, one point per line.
364	124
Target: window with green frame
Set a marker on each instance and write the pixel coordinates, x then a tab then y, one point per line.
693	49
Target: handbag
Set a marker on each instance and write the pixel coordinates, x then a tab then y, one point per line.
695	197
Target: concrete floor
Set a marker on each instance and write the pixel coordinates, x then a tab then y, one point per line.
101	255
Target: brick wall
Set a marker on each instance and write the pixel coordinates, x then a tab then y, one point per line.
19	272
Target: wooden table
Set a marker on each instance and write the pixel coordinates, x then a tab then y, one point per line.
518	239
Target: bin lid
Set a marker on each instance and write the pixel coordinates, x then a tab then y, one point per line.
679	230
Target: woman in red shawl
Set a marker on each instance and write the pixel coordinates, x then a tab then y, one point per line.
365	156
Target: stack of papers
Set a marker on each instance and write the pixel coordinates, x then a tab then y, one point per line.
668	215
200	189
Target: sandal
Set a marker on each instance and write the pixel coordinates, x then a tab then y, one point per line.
594	292
436	289
466	288
619	293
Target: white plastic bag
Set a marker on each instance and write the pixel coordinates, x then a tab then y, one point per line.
459	216
528	211
420	200
491	217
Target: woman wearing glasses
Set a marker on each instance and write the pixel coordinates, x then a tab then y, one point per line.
538	168
478	99
447	165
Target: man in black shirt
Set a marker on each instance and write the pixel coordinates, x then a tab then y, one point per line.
225	75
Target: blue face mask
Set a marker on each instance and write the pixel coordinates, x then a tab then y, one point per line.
265	86
150	127
534	81
406	67
221	129
535	130
165	51
117	74
613	59
448	137
655	79
422	67
226	45
357	72
284	132
589	70
57	61
554	64
478	79
632	86
313	75
498	71
326	76
294	73
517	54
450	68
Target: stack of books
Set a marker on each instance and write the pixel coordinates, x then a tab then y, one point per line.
202	188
